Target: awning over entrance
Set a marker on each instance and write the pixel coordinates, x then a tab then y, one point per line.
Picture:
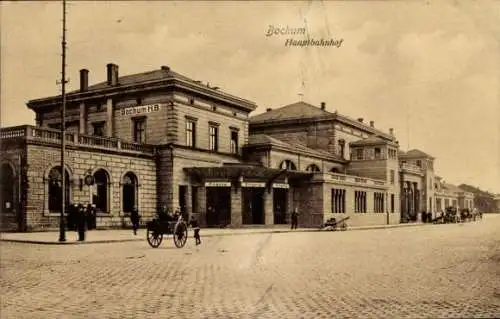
250	174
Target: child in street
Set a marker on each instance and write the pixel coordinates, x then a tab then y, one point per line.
196	227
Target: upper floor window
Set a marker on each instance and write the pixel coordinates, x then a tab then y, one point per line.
190	133
359	153
392	177
419	163
99	128
234	141
139	129
213	138
378	153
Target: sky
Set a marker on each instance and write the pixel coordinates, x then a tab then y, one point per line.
428	69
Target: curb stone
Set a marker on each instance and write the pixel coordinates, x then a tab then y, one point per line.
238	233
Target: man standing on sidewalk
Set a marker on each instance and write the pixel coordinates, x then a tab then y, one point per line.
295	218
134	219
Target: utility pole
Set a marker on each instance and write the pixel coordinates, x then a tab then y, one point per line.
62	226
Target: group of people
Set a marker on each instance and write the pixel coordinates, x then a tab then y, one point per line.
81	218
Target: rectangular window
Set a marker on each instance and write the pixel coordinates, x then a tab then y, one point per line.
359	153
234	142
378	202
392	203
190	133
378	153
214	138
338	201
419	163
392	176
359	202
139	130
99	128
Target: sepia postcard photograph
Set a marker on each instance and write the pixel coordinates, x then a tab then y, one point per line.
250	159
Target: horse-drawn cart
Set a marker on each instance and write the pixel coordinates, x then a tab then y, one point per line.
334	224
162	226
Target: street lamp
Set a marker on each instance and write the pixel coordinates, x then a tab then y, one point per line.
62	226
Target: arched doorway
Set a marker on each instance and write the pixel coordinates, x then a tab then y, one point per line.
7	186
129	192
55	187
289	165
100	196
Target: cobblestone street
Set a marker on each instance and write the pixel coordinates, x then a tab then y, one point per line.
430	271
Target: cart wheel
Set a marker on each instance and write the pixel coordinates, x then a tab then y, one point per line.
154	238
180	235
343	226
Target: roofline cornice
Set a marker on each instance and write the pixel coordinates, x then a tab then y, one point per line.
144	86
270	146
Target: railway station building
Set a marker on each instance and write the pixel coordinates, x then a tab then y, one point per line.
160	139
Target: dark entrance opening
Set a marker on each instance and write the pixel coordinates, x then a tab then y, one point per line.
182	201
129	192
218	213
280	203
253	206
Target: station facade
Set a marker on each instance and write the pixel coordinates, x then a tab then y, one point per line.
159	139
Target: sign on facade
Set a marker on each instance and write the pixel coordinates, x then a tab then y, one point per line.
253	184
217	184
281	185
143	109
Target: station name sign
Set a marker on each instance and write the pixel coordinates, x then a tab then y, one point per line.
217	184
253	184
143	109
281	185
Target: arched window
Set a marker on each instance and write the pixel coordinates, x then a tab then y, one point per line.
129	192
313	168
7	185
100	197
289	165
335	170
55	187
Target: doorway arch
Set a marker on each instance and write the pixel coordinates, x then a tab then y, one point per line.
129	192
100	198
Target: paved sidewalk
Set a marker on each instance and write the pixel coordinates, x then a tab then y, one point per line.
125	235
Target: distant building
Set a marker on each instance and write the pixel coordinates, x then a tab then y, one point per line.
160	139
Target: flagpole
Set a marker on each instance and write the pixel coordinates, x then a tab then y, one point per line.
62	226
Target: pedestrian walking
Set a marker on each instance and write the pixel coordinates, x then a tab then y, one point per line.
81	222
196	227
295	218
135	217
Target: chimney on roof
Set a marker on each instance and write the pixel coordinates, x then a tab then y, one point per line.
323	105
84	80
269	109
165	68
391	131
112	74
360	120
372	124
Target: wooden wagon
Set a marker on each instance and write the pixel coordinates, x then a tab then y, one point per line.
163	226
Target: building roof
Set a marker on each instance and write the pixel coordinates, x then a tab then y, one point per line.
415	153
295	111
265	140
372	140
303	111
143	79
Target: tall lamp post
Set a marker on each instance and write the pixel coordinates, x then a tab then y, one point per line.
62	226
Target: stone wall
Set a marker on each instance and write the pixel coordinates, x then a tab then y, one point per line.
42	158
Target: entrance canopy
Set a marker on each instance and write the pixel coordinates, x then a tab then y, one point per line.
245	172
